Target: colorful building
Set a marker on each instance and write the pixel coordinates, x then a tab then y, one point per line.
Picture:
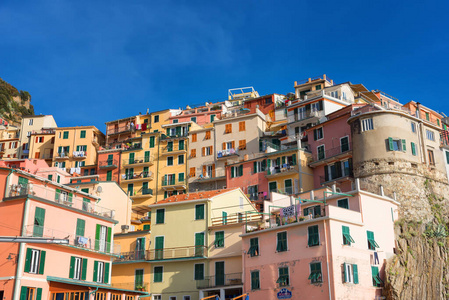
333	247
202	114
41	144
32	124
9	142
109	163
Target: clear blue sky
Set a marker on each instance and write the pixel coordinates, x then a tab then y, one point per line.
88	62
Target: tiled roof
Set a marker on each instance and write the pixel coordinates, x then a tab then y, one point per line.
194	196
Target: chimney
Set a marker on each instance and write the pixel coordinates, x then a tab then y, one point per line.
125	228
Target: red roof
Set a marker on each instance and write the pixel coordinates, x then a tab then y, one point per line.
194	196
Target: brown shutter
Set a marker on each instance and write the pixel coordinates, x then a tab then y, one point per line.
224	146
37	139
213	170
233	144
204	151
204	171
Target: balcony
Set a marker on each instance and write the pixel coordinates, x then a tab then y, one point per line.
283	170
62	155
173	184
175	149
83	242
174	136
61	198
226	153
142	193
138	177
136	146
108	164
131	286
220	281
177	253
332	154
235	219
120	129
139	161
306	117
79	154
132	256
346	174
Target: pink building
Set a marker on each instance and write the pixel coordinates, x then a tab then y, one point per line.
335	248
66	242
200	115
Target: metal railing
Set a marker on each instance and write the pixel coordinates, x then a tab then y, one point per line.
132	256
228	152
84	242
305	115
166	137
285	168
119	129
235	218
332	152
62	155
178	252
172	181
143	192
148	175
131	286
80	154
174	148
346	173
67	198
220	280
108	163
138	160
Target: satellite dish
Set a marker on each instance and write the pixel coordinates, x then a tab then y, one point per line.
99	189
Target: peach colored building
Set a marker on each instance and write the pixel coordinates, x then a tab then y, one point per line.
200	115
41	144
66	243
9	142
109	164
334	248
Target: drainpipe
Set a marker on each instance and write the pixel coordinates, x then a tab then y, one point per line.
157	167
20	261
327	261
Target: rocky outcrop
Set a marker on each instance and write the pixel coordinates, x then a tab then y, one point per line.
14	104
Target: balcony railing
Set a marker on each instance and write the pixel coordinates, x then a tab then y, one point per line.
172	136
79	154
139	160
220	280
285	168
228	152
347	172
143	192
110	163
131	286
141	175
235	219
172	181
132	256
84	242
331	152
62	155
179	252
305	116
136	146
120	129
62	198
174	148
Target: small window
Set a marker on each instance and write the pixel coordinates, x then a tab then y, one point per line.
396	144
83	134
315	273
255	280
207	136
347	239
431	157
430	135
281	241
219	239
372	245
156	119
170	161
427	116
193	119
199	212
283	278
321	153
344	144
199	272
30	122
367	124
254	247
413	126
242	126
181	159
175	121
318	134
314	237
157	274
160	216
65	135
377	282
343	203
194	137
228	128
318	87
351	273
413	146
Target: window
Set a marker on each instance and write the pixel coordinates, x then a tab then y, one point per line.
272	186
160	216
396	144
242	126
175	121
199	272
181	159
30	122
228	128
156	119
207	136
431	157
101	272
372	245
157	297
447	157
199	212
242	144
158	272
83	134
35	261
80	227
78	268
255	280
344	144
146	227
283	278
318	87
29	293
193	119
103	238
427	116
413	146
314	237
170	161
375	275
260	166
281	241
192	172
315	273
186	298
318	134
29	133
351	273
413	126
237	171
219	239
194	137
224	216
343	203
367	124
212	118
430	135
39	214
320	151
253	247
207	151
152	141
347	239
65	135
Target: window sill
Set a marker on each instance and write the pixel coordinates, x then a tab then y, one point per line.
282	251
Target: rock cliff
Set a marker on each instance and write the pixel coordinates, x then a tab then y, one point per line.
14	104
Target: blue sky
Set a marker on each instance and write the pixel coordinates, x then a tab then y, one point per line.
88	62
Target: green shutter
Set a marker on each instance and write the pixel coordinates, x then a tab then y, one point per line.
131	158
158	274
294	160
241	170
255	167
404	145
28	260
84	270
57	193
106	273
390	143
70	197
232	172
83	134
413	148
278	161
313	235
42	262
95	271
39	219
108	240
283	160
39	294
151	141
159	247
146	227
160	216
72	267
181	145
23	293
346	272
269	163
147	156
97	237
356	273
181	177
109	175
199	212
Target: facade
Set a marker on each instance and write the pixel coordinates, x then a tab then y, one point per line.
42	268
32	124
9	142
267	105
182	257
109	165
200	115
41	144
76	148
340	243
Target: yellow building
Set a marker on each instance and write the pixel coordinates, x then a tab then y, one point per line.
9	141
183	257
76	147
30	125
41	145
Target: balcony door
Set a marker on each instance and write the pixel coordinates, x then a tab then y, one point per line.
159	248
219	273
199	244
140	248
